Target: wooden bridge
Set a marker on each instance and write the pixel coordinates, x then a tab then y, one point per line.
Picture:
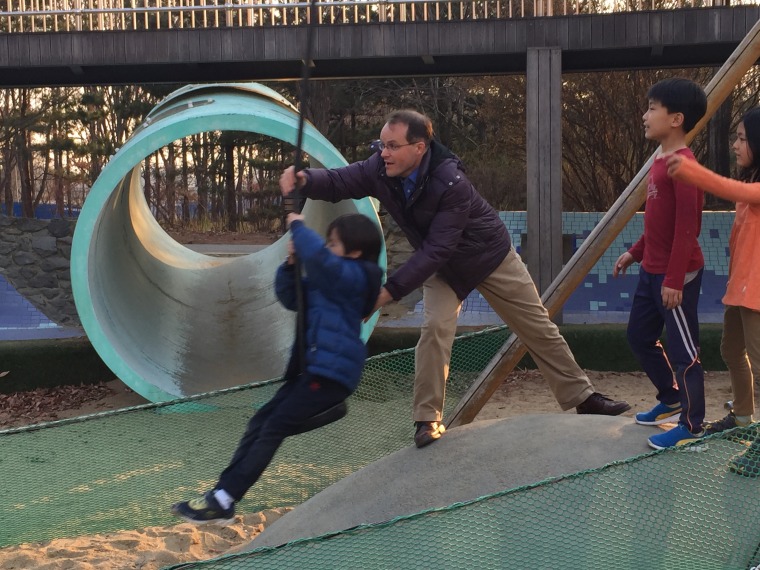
77	42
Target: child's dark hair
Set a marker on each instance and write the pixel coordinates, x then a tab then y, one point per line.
751	121
358	233
679	95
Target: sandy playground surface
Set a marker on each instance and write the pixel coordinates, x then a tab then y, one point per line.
524	392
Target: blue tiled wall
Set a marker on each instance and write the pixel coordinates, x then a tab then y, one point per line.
600	298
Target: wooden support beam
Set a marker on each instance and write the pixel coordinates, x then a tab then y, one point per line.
543	108
728	76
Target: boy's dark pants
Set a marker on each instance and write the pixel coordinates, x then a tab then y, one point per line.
300	398
645	324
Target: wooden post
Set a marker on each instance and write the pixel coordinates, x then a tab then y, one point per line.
544	162
719	88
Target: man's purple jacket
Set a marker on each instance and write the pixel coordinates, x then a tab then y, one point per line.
452	229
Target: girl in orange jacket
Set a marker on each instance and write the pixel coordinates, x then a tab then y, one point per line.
740	344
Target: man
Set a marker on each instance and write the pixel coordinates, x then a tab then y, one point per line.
460	244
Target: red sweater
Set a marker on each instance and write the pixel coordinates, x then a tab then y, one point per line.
672	221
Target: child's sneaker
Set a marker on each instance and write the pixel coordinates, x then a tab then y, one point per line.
679	435
205	509
747	463
660	414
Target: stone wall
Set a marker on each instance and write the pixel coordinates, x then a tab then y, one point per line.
34	258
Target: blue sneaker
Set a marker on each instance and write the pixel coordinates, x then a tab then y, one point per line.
205	509
660	414
679	435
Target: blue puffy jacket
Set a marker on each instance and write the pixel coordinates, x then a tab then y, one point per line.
339	293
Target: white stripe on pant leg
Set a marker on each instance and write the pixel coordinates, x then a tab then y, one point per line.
683	328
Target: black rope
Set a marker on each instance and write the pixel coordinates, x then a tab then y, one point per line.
295	203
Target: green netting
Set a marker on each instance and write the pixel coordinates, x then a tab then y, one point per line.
671	509
122	470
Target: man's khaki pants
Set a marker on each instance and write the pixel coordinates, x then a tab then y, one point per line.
511	293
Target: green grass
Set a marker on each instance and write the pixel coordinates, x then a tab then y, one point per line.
596	347
55	362
50	362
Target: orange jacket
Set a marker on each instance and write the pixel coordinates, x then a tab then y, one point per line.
743	287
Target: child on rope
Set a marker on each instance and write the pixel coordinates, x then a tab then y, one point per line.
460	244
671	271
343	283
740	345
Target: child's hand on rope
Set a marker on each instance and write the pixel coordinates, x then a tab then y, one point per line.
291	253
292	217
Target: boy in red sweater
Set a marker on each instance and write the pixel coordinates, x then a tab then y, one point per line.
671	271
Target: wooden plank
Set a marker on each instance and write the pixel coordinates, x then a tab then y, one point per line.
543	119
511	32
667	27
532	136
726	25
175	49
655	29
4	61
620	39
33	50
739	23
212	45
680	30
409	45
608	32
373	41
357	39
563	33
643	30
586	35
574	33
193	43
632	30
721	85
270	48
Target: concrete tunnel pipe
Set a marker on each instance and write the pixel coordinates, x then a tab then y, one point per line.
168	321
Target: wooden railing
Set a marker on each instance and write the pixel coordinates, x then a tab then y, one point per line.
102	15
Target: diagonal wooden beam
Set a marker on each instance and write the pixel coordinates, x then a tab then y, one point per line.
728	76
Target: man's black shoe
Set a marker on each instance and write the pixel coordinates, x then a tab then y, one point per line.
427	433
601	405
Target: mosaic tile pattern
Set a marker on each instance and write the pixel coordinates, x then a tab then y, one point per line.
600	298
19	319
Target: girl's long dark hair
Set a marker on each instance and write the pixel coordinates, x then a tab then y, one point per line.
751	120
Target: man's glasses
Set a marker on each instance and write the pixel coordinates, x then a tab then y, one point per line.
379	146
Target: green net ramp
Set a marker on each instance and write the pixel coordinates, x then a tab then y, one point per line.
123	470
675	508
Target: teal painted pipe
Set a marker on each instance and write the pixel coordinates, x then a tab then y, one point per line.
168	321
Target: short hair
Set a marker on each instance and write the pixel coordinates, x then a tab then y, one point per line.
751	121
358	233
419	126
679	95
